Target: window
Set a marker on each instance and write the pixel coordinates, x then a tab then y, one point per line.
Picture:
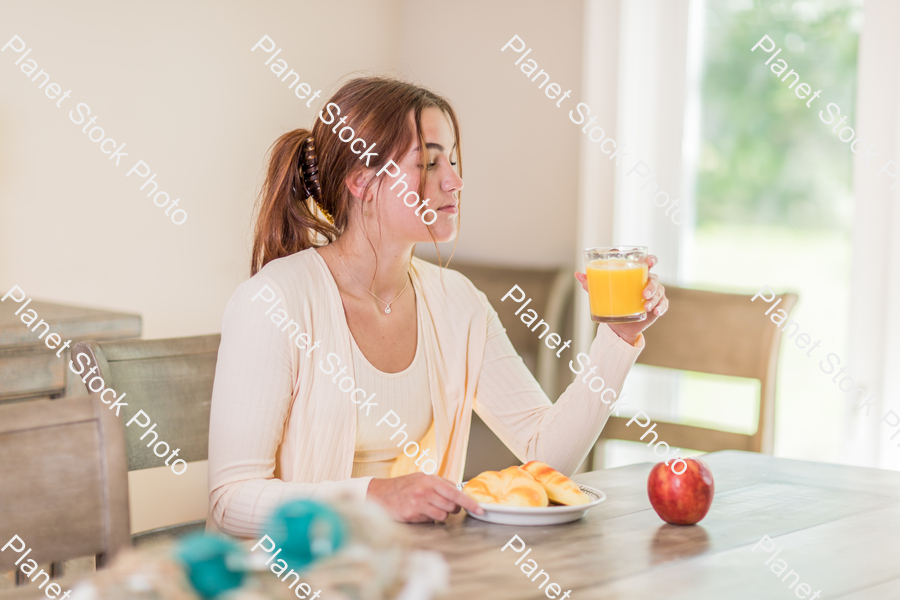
772	195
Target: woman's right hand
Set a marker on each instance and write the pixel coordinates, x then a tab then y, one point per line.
420	498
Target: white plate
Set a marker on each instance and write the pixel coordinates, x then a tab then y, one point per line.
530	515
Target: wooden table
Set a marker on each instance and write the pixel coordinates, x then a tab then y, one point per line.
838	527
29	369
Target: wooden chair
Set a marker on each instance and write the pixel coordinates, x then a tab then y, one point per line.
723	334
551	292
171	380
63	482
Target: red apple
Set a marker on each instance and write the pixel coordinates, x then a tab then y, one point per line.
681	499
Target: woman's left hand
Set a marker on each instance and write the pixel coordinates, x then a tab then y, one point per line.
655	304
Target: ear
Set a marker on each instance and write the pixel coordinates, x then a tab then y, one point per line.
356	182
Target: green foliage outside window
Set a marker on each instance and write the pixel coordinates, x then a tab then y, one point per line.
765	157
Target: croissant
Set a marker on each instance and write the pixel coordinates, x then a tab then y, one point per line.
560	488
510	487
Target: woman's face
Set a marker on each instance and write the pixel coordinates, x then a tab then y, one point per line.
442	185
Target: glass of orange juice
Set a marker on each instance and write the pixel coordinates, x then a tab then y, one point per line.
616	279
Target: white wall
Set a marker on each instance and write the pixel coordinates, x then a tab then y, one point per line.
178	84
520	151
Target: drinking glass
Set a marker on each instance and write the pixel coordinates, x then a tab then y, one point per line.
617	276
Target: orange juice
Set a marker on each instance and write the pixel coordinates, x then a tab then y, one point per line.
616	290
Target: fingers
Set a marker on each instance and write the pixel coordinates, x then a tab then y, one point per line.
651	260
439	507
436	514
659	303
416	498
652	285
421	517
662	307
454	495
439	502
582	279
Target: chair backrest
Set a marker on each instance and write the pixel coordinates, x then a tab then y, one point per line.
723	334
63	481
550	291
170	380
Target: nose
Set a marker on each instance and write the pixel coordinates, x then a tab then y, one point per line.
452	183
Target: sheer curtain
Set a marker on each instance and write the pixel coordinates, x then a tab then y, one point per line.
597	177
875	293
639	57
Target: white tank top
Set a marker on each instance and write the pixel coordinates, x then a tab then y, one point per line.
407	393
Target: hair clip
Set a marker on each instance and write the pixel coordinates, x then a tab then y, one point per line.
309	175
324	212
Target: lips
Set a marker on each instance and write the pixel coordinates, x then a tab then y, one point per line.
450	208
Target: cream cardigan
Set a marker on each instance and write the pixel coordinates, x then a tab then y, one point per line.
281	429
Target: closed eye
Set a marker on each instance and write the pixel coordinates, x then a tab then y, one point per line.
432	165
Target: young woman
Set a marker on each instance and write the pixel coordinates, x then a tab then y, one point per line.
348	367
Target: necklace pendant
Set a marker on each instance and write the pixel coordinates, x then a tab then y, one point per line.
387	309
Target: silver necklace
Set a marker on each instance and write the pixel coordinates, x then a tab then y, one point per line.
387	307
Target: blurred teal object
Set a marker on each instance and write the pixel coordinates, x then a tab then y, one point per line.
306	531
210	563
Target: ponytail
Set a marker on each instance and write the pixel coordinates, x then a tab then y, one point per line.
287	220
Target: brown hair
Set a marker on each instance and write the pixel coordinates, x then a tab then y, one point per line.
378	111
